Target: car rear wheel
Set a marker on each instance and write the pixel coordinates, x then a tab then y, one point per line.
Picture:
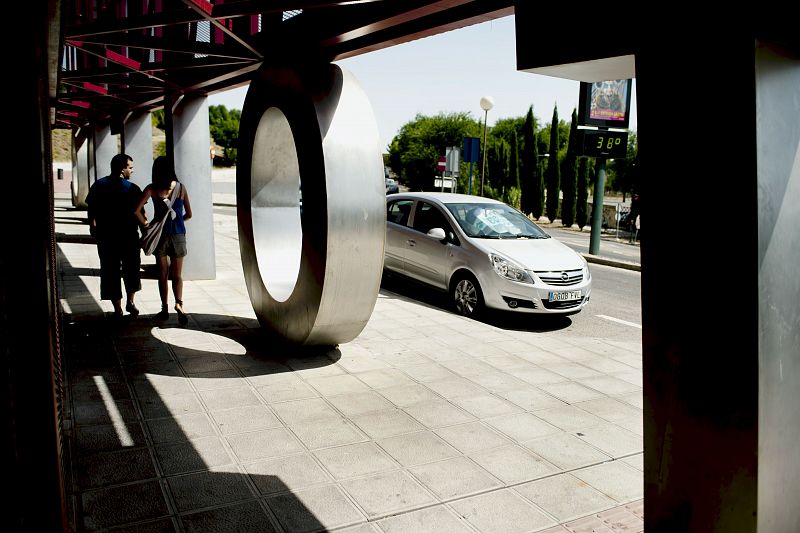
467	297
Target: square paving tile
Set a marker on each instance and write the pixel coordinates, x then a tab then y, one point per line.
264	444
522	426
248	516
247	418
360	402
388	493
569	418
293	472
188	456
437	413
184	427
486	405
328	432
472	436
356	460
383	379
406	395
386	423
531	399
609	385
417	448
333	385
438	519
502	511
299	412
571	392
612	439
229	398
513	464
455	387
428	372
316	509
566	451
207	489
610	409
616	479
108	507
283	389
565	497
455	478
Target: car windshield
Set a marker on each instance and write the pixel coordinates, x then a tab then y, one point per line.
495	221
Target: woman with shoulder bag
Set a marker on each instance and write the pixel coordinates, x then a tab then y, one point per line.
171	248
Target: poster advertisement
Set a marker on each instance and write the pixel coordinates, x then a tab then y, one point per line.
605	103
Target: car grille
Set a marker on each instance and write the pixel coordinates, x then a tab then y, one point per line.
561	305
555	278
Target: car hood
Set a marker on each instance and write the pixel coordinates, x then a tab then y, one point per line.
536	254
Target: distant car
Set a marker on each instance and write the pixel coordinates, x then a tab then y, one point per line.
484	253
392	186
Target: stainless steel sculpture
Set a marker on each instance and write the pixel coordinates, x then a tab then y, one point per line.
311	203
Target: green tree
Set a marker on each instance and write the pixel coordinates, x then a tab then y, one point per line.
530	177
553	176
497	161
224	130
415	150
624	170
582	196
569	174
513	163
157	117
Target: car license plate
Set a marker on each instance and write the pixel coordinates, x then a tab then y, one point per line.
565	296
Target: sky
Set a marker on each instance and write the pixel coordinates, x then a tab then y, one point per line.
449	73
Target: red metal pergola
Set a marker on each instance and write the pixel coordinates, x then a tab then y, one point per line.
120	56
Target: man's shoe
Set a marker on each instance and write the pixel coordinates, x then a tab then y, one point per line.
130	308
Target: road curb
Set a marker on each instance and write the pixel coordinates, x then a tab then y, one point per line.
612	262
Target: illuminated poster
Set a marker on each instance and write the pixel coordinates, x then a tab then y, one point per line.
608	100
605	103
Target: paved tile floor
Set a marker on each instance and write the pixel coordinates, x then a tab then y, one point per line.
426	422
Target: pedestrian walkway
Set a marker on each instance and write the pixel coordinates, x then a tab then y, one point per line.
427	421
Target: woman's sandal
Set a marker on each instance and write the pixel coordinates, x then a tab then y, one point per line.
183	318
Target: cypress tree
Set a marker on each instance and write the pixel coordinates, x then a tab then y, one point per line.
513	163
553	176
530	177
582	192
568	176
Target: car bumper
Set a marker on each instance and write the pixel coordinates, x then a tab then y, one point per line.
507	295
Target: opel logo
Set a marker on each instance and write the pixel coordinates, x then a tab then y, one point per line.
564	276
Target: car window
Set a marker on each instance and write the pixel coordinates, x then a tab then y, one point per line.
428	216
495	221
399	211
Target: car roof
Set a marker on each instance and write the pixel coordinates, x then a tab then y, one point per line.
444	197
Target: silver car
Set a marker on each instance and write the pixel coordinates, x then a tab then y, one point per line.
484	253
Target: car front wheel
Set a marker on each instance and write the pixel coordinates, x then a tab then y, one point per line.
467	297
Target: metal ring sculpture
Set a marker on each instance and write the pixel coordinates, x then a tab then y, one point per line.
310	203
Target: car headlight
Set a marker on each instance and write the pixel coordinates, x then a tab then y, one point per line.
509	270
587	274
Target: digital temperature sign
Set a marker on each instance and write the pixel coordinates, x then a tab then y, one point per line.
603	143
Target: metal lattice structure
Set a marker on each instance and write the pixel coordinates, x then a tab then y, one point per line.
120	56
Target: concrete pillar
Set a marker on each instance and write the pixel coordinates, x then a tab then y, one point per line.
190	140
80	168
137	142
105	147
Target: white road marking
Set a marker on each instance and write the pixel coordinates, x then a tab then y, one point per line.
611	318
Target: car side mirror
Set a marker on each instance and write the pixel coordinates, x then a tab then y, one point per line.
437	233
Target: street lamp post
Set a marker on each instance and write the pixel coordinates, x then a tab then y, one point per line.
487	102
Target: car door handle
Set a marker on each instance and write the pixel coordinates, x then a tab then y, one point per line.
411	242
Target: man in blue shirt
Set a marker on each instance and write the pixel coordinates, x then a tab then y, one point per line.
112	201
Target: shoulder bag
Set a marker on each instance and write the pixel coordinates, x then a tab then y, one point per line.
151	233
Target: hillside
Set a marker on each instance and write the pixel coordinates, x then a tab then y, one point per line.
62	142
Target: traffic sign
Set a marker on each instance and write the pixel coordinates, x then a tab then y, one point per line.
442	164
